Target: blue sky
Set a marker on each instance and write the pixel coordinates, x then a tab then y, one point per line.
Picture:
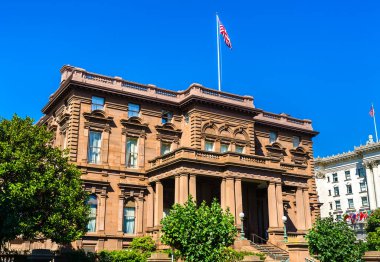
311	59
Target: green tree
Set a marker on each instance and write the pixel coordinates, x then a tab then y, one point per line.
199	233
373	231
40	192
333	241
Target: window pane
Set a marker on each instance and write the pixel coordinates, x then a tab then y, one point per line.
166	117
97	103
364	201
209	146
224	147
94	147
296	141
129	220
165	148
337	204
239	149
349	189
272	137
93	203
133	110
350	203
336	191
132	152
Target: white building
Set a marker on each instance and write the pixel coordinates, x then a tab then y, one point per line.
349	182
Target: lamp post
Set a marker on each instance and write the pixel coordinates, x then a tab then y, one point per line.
241	215
284	219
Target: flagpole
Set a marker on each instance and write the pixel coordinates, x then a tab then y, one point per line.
374	122
218	49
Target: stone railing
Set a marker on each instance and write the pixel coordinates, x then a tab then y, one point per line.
117	83
285	119
231	158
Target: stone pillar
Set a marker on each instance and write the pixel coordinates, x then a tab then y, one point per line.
280	205
120	213
307	208
102	209
150	205
298	251
230	194
300	207
140	210
184	188
176	189
238	201
376	181
159	204
370	185
272	205
193	186
141	150
223	193
105	145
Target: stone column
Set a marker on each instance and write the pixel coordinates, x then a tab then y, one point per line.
370	185
223	193
184	188
193	186
280	205
238	201
140	209
230	194
150	209
102	209
159	204
376	181
272	205
176	188
307	208
120	213
300	209
141	150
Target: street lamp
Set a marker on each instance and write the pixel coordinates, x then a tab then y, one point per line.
241	215
284	219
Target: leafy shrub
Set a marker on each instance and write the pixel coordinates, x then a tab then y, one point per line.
373	231
79	256
129	255
144	244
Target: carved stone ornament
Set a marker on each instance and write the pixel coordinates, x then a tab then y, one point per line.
320	175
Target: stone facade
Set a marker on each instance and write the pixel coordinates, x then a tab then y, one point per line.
350	183
142	148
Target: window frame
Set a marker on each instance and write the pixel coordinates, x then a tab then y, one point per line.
336	205
136	154
209	142
365	205
349	187
275	134
224	144
132	113
335	178
90	150
351	204
294	139
336	190
347	172
97	106
166	117
161	147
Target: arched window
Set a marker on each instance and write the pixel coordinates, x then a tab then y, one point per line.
129	217
93	203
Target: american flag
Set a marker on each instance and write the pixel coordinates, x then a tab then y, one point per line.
224	33
372	111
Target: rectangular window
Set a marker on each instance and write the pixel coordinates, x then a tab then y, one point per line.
361	172
331	206
97	103
224	147
338	217
272	137
328	179
347	174
296	141
337	204
329	192
133	110
335	177
132	152
165	148
129	220
349	189
239	149
94	147
351	203
336	191
166	117
364	201
363	186
209	146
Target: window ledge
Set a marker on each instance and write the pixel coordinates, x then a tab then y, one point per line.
349	194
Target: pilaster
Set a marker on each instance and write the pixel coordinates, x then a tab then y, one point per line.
158	209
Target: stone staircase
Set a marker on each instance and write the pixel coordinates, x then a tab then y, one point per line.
272	251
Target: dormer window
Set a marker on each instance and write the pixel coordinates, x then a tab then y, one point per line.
166	117
97	103
133	110
272	137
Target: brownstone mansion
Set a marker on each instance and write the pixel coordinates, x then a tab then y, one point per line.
142	148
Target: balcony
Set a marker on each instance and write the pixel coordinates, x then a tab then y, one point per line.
227	158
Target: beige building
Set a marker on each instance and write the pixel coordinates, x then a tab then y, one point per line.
142	148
